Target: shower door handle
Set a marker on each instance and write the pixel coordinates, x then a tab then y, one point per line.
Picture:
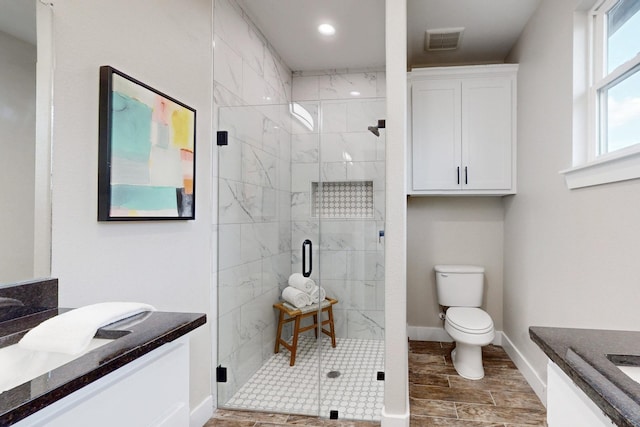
307	246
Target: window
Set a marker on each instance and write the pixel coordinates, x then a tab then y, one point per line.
615	92
607	121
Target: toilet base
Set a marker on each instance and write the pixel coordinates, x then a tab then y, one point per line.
467	360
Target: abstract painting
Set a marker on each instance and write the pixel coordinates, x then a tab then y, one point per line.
146	164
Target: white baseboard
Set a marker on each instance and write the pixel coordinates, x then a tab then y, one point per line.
201	413
430	333
539	385
426	333
396	420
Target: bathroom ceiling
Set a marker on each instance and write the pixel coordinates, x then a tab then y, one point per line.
291	27
491	29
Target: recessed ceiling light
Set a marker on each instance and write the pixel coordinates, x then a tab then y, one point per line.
354	93
326	29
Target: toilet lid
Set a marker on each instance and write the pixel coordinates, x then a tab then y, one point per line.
471	320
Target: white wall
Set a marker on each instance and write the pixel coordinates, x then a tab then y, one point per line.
571	257
452	230
167	45
17	157
396	386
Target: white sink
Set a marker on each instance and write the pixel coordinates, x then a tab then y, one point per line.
627	363
19	365
632	372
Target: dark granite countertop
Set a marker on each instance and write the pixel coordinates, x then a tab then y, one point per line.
582	355
136	336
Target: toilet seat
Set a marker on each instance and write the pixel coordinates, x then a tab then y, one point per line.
469	320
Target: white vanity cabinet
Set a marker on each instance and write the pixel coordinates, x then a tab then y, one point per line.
463	130
568	405
150	391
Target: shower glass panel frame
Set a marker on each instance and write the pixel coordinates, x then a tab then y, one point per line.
292	172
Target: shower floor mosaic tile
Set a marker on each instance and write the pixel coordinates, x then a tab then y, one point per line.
355	393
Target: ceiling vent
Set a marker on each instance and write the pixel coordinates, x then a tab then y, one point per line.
443	39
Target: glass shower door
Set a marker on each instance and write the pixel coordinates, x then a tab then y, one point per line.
259	247
301	190
349	202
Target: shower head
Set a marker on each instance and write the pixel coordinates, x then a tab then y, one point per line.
376	129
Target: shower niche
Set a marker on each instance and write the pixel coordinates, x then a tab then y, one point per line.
291	172
342	199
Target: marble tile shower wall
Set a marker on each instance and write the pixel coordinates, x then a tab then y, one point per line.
247	71
351	264
253	200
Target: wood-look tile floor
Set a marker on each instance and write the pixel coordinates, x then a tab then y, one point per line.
227	418
439	396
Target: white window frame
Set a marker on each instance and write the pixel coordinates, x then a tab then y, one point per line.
590	168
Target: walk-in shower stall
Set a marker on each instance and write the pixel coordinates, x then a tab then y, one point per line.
304	171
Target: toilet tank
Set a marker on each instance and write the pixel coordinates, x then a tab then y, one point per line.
459	285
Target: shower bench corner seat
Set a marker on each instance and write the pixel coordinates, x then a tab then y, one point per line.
296	315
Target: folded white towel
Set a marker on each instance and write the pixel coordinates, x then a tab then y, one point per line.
72	331
296	297
298	281
317	294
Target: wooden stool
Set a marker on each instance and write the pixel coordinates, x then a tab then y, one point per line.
296	315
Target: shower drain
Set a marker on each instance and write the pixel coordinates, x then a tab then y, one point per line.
333	374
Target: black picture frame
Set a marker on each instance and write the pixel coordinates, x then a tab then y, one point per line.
147	152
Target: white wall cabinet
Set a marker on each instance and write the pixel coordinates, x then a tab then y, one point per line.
463	130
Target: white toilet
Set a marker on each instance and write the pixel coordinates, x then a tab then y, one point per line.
460	288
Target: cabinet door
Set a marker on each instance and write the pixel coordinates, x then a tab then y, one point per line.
436	135
568	405
486	134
